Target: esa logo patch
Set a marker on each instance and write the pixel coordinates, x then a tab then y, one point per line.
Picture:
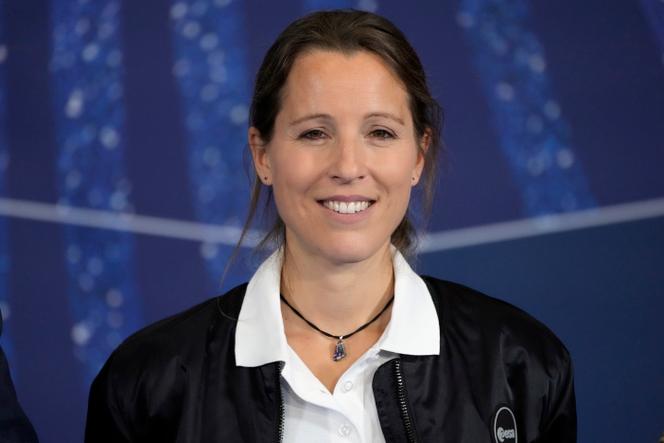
504	426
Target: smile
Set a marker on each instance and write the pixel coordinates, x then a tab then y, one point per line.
347	207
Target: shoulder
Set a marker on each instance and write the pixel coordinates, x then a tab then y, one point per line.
181	337
465	312
152	372
508	358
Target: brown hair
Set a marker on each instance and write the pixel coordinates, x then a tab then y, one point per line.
345	31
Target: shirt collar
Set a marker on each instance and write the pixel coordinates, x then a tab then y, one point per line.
413	328
259	338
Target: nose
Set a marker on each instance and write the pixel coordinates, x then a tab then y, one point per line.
349	162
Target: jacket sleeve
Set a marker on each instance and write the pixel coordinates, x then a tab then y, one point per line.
105	422
14	424
559	424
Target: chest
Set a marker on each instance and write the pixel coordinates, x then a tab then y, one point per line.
417	400
316	351
347	413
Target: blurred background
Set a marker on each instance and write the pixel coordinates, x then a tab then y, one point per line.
123	178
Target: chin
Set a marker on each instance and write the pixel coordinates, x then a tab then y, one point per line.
350	250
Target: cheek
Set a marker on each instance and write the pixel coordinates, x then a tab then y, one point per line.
402	193
291	182
291	176
398	171
397	177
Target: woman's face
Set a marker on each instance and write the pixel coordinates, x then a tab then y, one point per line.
343	157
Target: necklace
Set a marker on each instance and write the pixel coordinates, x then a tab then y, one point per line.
340	348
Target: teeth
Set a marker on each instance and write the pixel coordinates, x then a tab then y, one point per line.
346	207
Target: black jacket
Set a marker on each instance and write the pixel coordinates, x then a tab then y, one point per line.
14	425
501	377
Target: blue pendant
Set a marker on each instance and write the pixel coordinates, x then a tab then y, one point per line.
339	350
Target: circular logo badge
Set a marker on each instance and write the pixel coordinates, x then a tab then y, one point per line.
504	426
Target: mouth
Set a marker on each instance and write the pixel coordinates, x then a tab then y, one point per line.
347	207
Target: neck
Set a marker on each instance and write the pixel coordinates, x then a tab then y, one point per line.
337	297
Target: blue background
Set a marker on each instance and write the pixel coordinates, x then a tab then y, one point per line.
553	109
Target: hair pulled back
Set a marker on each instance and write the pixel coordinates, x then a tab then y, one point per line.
345	31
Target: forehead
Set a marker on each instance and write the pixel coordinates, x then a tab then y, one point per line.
343	83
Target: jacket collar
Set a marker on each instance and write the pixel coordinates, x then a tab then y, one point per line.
259	338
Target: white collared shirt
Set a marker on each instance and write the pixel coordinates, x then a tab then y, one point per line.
349	413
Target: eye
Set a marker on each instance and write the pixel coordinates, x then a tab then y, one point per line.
382	134
313	134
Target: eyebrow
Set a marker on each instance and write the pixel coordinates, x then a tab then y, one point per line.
310	117
329	117
386	115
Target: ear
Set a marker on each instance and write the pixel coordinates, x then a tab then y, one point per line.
423	146
260	156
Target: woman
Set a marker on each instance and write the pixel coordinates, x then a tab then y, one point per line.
335	336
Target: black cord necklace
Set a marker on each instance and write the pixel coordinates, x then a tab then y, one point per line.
340	348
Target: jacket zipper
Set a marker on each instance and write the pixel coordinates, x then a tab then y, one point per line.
402	396
281	410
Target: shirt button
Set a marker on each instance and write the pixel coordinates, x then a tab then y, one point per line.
344	430
348	385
